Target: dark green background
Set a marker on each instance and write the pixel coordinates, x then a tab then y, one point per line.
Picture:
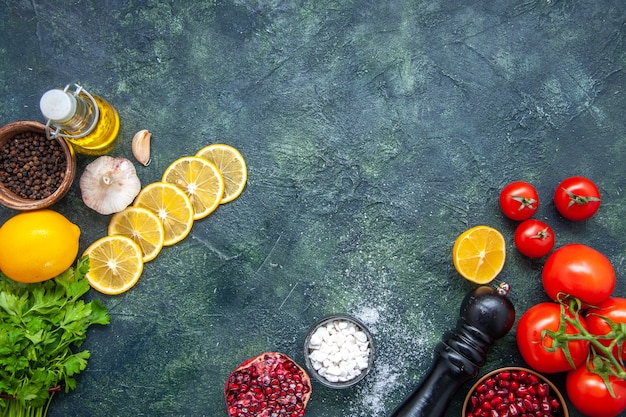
375	132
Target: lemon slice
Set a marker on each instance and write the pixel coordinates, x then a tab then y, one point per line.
171	205
478	254
141	225
200	179
231	164
115	264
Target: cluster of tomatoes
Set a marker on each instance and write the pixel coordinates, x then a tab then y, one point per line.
582	330
575	198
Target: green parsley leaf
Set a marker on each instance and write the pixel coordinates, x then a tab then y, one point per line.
41	327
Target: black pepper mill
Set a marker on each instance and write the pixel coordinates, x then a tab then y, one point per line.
486	315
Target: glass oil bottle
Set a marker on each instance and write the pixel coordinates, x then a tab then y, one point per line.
88	122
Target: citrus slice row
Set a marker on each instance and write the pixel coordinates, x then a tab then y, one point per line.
115	264
200	180
163	213
171	205
231	164
141	225
479	253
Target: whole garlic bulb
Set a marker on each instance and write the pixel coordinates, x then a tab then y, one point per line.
109	185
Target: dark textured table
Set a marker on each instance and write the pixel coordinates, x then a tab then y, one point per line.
375	132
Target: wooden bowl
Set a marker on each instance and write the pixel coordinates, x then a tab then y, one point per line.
554	391
12	200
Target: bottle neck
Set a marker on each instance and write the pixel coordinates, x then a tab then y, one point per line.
82	120
70	114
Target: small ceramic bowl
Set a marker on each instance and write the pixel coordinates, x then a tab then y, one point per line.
510	374
350	336
11	199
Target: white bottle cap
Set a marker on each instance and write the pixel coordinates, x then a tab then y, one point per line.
57	105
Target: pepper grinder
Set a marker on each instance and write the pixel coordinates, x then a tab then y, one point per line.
486	315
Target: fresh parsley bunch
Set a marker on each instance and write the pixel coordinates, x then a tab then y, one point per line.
41	325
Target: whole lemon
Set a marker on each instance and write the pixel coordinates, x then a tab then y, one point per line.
37	245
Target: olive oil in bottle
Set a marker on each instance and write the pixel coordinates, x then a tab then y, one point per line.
88	122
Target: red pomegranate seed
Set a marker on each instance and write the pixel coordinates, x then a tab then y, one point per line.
542	390
512	394
528	405
271	385
545	406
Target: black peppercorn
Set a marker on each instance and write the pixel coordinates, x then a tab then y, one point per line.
31	165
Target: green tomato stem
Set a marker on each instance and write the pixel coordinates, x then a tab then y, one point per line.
606	352
602	352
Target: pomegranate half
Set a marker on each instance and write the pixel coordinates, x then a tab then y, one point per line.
270	384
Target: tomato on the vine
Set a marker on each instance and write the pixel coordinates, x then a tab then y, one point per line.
534	345
519	200
613	309
534	238
579	271
577	198
590	395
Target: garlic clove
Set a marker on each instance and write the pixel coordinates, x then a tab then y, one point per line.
141	147
109	185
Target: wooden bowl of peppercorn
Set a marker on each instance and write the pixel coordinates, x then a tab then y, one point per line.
35	172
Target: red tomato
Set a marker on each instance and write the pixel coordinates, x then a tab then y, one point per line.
519	200
579	271
613	309
577	198
533	348
589	394
534	238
